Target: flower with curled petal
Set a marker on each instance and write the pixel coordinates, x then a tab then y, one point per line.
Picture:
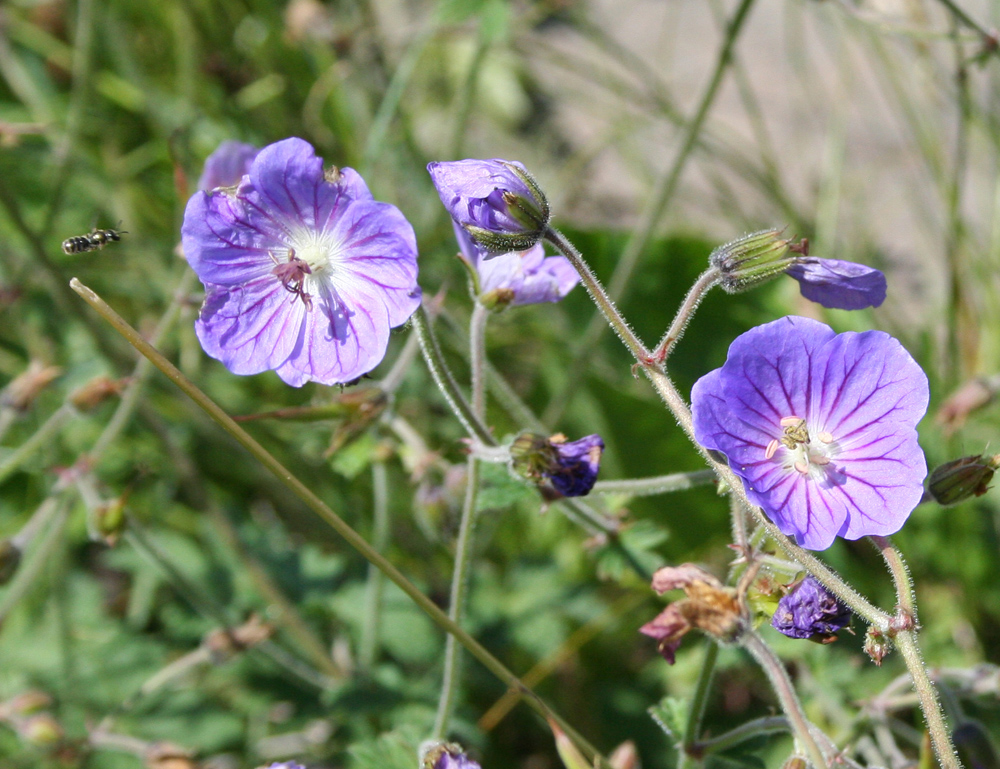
838	284
810	611
517	278
226	166
568	467
496	201
304	272
820	426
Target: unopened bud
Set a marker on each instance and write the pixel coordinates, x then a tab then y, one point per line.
569	753
95	392
962	478
498	299
625	756
794	762
41	729
21	392
752	259
110	520
877	645
166	755
445	755
10	559
570	467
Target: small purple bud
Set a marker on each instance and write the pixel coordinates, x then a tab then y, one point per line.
810	611
962	478
570	467
495	201
446	755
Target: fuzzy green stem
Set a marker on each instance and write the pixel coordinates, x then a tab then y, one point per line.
659	484
748	731
701	287
789	700
322	510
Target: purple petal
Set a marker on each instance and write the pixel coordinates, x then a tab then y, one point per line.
860	396
227	165
810	610
576	466
838	284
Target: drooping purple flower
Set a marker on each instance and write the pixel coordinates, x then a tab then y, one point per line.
226	166
810	611
570	467
496	201
285	765
838	284
517	278
820	426
304	272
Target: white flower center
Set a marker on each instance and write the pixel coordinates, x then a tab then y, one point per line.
806	452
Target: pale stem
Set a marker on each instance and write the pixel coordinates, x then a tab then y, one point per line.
337	523
697	705
789	700
905	599
737	515
701	287
50	429
747	731
368	646
451	678
659	484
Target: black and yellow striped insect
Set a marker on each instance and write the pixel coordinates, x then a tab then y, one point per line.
92	241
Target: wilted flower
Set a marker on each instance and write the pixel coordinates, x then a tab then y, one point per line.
520	277
709	606
496	201
838	284
810	611
820	426
571	467
760	256
962	478
446	755
227	165
304	272
284	765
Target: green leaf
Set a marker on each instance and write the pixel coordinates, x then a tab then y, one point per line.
670	714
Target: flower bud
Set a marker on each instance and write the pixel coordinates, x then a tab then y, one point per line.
445	755
962	478
10	559
41	729
95	392
877	645
569	754
497	202
110	520
21	392
810	611
752	259
570	467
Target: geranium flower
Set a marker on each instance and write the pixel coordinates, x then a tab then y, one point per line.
226	166
517	278
810	611
304	272
496	201
445	755
820	426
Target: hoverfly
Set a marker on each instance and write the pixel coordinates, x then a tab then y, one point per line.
92	241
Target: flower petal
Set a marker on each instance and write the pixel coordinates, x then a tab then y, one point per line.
838	284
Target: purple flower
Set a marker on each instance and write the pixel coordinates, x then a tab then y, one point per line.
570	467
496	201
520	277
810	611
304	272
838	284
820	426
446	755
285	765
227	165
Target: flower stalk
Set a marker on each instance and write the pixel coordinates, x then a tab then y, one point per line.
321	509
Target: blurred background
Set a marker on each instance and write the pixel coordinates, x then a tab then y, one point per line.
659	129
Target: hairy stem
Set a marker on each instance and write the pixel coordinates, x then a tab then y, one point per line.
701	287
659	484
697	705
374	588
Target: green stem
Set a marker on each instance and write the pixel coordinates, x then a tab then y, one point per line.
27	576
374	589
661	199
322	510
701	287
659	484
748	731
696	708
477	359
782	685
598	294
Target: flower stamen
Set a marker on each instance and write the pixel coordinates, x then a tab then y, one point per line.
292	275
